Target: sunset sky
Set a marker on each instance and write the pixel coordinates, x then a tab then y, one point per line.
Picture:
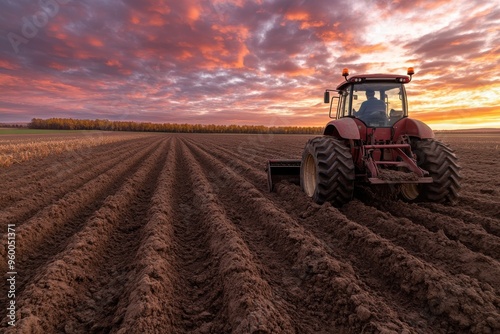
261	62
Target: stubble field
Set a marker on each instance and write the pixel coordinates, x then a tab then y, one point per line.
178	234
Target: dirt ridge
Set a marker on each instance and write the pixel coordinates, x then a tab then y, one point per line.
177	233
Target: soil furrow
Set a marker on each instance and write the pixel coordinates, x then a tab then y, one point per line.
65	159
238	165
48	233
256	148
106	299
288	282
456	303
332	283
57	167
254	159
472	236
491	225
256	176
198	299
48	222
250	304
431	247
150	303
72	290
482	206
30	200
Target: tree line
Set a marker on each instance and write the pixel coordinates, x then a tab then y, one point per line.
106	125
12	125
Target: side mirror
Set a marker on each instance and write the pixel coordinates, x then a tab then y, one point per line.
326	98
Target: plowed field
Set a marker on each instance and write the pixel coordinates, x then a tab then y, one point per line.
178	234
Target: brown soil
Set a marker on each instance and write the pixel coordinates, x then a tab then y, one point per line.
178	234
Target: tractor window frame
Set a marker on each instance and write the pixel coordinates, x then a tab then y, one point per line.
344	103
381	88
345	98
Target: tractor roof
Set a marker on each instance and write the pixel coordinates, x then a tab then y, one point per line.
374	77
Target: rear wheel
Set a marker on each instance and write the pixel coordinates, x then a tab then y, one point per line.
327	171
442	165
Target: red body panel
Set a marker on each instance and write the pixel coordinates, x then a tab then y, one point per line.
355	129
413	128
344	128
381	147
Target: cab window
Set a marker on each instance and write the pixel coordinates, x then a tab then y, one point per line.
378	104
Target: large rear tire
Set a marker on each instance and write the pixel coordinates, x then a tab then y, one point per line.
442	165
327	171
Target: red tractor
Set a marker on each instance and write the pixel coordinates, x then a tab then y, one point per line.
372	141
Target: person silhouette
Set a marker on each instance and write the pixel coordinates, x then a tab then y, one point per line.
372	109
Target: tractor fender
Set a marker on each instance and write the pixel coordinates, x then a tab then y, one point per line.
344	128
413	128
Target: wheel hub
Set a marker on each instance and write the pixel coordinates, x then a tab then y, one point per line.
310	178
410	191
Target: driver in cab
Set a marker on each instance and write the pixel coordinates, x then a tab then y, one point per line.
371	108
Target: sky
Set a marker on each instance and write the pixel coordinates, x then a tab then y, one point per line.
255	62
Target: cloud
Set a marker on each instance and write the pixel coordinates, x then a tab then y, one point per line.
224	61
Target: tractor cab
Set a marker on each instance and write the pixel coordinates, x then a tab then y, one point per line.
378	100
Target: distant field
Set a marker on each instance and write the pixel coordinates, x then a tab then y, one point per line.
24	131
18	145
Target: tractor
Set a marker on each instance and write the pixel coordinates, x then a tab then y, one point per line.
372	142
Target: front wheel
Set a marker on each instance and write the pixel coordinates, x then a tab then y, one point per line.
327	171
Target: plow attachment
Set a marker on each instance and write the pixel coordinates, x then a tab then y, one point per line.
279	170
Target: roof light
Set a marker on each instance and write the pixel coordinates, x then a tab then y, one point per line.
345	73
410	71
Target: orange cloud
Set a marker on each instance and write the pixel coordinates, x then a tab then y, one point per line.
242	52
328	36
8	65
113	63
135	19
56	89
82	54
312	24
301	72
57	66
489	56
156	20
94	41
297	16
159	6
240	31
305	19
193	13
226	49
363	49
57	33
238	3
7	80
185	55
